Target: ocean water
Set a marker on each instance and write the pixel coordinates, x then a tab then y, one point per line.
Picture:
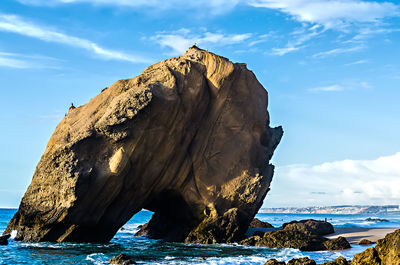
149	251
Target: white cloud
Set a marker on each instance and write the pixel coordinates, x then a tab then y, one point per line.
356	182
19	25
179	41
332	13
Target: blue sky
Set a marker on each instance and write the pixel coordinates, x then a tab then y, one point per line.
331	68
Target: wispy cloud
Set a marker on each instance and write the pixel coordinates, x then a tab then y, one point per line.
19	25
364	182
357	62
338	51
327	88
299	38
25	61
8	62
179	41
341	87
337	14
212	6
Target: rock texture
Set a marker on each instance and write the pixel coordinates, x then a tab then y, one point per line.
188	139
386	252
310	226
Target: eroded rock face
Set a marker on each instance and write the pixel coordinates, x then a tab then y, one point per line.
188	139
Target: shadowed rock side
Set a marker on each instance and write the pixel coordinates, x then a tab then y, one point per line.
188	139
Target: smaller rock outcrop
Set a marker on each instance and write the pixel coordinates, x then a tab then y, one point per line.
338	261
339	243
274	262
301	261
370	219
257	223
386	252
4	239
296	239
365	242
121	259
310	226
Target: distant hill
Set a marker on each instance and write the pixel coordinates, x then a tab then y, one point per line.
342	209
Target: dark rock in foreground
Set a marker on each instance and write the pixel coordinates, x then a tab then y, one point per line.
188	139
4	239
307	261
310	226
296	239
121	259
386	252
257	223
301	261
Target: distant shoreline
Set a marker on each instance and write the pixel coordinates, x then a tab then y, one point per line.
342	209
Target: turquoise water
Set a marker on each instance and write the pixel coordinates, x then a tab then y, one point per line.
148	251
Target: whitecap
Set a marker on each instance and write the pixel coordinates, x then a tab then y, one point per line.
13	234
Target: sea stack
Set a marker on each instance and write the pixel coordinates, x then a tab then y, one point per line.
189	139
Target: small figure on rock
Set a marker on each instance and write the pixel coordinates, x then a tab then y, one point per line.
71	108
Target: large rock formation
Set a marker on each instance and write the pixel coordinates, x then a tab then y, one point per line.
188	139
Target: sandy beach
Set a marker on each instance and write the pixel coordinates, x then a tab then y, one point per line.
355	234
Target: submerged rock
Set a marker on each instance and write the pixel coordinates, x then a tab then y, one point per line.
386	252
188	139
257	223
4	239
310	226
